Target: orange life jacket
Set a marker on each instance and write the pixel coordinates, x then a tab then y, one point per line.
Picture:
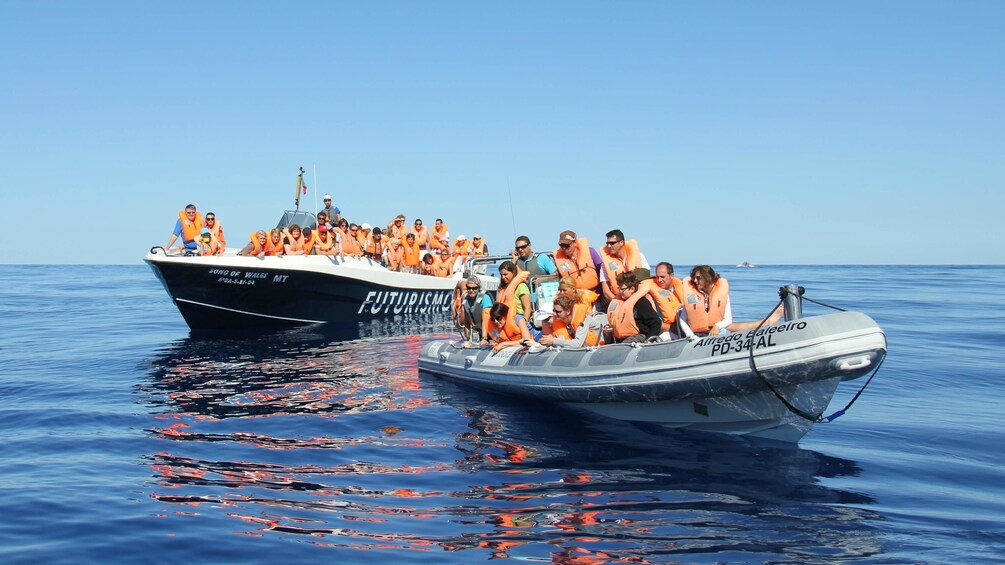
478	249
275	247
621	313
375	245
350	246
614	265
666	302
581	269
421	235
217	231
509	331
295	243
445	268
190	228
706	312
560	330
507	295
324	245
259	248
411	253
434	241
461	248
579	312
362	239
309	242
394	256
399	232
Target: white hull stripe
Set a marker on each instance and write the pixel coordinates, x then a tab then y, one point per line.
246	313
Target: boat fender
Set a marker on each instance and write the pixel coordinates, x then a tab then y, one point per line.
853	363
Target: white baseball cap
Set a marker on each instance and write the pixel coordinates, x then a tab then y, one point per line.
365	227
328	197
461	237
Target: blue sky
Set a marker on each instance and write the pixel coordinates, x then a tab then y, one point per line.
711	132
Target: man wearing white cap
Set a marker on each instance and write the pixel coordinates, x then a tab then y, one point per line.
331	210
461	246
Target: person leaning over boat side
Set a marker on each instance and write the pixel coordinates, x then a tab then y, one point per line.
632	314
574	258
187	227
445	268
330	210
587	333
350	245
219	242
257	245
375	246
618	256
275	244
474	312
205	241
537	265
505	329
583	303
439	238
293	241
421	234
326	243
429	265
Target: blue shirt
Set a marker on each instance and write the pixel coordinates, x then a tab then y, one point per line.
189	243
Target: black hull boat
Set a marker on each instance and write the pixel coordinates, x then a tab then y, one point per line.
234	292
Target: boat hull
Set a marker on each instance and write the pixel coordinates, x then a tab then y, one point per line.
710	384
233	292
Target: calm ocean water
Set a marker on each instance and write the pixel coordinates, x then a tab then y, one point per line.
125	440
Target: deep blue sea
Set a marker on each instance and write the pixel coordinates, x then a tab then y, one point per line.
126	440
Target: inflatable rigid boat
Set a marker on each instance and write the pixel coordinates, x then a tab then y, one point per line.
774	382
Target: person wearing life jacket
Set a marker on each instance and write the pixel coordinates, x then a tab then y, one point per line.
513	289
439	237
445	268
363	236
258	241
706	302
309	236
421	234
275	244
325	242
538	265
205	241
573	259
505	329
669	295
474	312
583	302
331	211
411	254
632	314
376	246
618	256
293	241
350	245
394	255
219	243
588	332
478	247
430	264
461	247
187	227
396	228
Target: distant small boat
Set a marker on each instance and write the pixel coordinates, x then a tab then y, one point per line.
745	264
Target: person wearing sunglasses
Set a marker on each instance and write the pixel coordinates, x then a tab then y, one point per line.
474	312
187	227
575	258
439	238
537	265
505	329
331	211
421	235
619	256
219	242
569	332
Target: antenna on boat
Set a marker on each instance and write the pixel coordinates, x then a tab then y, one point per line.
300	186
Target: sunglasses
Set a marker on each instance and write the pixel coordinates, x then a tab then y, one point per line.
613	243
565	245
473	287
210	219
522	247
328	199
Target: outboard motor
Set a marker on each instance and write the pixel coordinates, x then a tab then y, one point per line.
792	296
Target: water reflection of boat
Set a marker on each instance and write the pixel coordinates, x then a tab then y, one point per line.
345	446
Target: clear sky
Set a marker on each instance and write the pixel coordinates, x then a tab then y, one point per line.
711	132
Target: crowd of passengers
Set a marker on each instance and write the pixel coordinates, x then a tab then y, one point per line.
609	295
